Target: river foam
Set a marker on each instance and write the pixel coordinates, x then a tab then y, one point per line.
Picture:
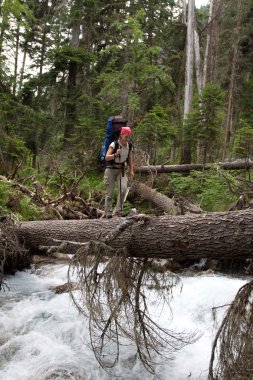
43	337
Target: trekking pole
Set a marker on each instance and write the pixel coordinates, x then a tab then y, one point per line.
120	186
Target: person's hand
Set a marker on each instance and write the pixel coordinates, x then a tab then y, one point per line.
131	174
118	153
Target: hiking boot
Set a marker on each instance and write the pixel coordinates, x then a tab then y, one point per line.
108	216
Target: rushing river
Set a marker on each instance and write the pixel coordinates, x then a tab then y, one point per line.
42	336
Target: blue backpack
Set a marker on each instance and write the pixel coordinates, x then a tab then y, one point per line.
113	127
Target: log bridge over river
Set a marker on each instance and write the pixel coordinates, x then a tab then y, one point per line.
223	235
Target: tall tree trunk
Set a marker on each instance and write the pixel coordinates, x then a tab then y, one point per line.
4	26
186	153
184	12
232	85
16	60
126	112
208	42
189	58
197	61
72	80
217	6
22	70
229	118
42	57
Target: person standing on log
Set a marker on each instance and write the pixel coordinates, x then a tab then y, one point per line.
119	162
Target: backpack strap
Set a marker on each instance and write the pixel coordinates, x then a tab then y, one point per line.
112	163
130	146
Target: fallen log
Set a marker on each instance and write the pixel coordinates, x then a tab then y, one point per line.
225	235
170	168
161	201
240	165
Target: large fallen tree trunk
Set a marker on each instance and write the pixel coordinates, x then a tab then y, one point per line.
212	235
189	167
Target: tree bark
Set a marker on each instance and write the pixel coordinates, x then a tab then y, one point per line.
208	42
212	235
70	107
17	47
197	60
189	59
184	12
217	7
233	82
186	150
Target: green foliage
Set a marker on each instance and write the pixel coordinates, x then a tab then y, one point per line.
246	100
4	190
205	121
27	210
243	141
209	189
13	147
92	187
63	55
185	186
133	68
155	126
129	59
154	131
12	201
215	195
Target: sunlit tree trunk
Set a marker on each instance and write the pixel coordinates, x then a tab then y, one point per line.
72	77
42	56
22	70
126	112
208	41
186	153
184	12
4	26
16	60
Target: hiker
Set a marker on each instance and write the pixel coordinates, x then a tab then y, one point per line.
119	162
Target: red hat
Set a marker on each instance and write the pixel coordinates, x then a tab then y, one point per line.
125	131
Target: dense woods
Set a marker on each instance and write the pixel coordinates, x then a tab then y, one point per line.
68	65
182	77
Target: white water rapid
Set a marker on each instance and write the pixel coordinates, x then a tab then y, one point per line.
42	336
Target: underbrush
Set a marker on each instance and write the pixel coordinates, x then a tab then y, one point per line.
213	190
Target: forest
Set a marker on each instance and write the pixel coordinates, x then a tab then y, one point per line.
182	77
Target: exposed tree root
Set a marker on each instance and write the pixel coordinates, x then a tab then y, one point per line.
232	352
115	295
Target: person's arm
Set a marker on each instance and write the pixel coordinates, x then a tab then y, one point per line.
110	155
131	165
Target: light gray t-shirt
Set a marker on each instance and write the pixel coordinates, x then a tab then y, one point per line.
124	152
